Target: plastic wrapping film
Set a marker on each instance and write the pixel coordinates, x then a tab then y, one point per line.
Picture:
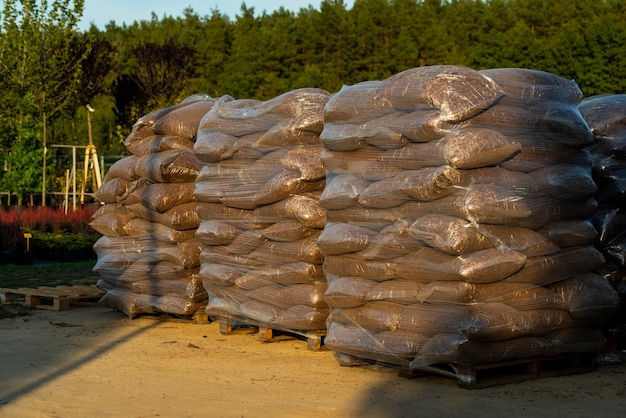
258	204
148	256
606	117
458	208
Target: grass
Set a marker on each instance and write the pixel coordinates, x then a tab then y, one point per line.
54	274
50	274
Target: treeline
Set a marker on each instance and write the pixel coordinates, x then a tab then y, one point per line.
263	56
126	71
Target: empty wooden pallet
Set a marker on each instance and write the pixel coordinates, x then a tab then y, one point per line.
477	376
56	298
314	339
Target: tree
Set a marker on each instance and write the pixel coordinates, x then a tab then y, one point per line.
211	38
41	65
161	71
99	64
369	53
405	49
241	75
276	70
588	48
333	28
23	164
98	70
130	103
307	63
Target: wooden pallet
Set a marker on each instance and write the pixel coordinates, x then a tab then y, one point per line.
478	376
56	298
231	327
314	339
198	317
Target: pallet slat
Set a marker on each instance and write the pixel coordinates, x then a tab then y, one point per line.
478	376
228	327
198	317
314	339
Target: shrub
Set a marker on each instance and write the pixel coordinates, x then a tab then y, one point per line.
46	219
62	240
50	228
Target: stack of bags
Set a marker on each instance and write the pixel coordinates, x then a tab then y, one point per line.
258	204
148	256
606	116
458	209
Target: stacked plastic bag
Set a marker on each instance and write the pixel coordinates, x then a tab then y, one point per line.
606	116
458	209
148	256
258	204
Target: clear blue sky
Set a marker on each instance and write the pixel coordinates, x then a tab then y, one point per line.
101	12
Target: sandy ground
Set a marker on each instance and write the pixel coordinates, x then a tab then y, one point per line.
95	362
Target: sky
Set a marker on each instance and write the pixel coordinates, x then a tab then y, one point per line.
101	12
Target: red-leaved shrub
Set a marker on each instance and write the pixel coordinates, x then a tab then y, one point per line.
47	219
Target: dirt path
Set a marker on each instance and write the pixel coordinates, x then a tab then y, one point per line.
93	361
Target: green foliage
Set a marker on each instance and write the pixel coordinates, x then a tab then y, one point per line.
39	54
62	240
40	63
24	164
161	71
